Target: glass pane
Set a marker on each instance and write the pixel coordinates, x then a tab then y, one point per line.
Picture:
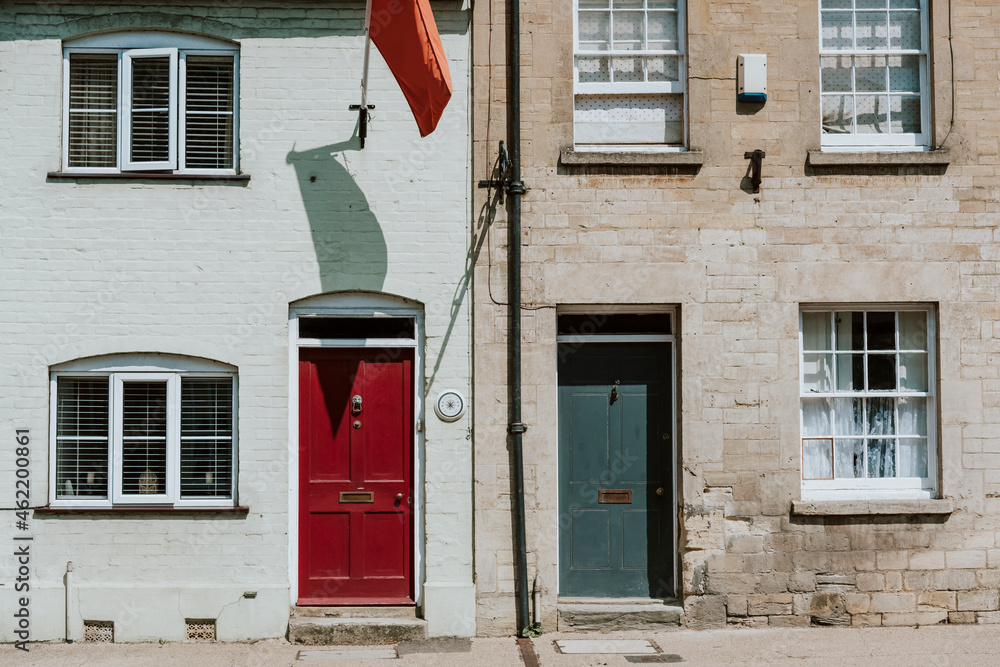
206	437
661	4
912	330
662	31
881	331
593	70
849	416
849	459
836	74
627	4
913	372
817	372
817	459
836	4
594	31
150	109
628	31
144	441
905	114
881	416
209	112
904	30
817	331
850	330
912	416
592	4
881	458
872	30
869	4
873	114
93	118
881	372
838	114
663	68
869	74
837	31
850	372
816	417
627	69
904	4
904	74
81	438
912	457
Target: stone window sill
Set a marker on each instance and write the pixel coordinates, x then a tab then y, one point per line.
683	159
241	510
871	507
935	158
145	176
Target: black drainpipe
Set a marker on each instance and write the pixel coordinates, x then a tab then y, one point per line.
516	190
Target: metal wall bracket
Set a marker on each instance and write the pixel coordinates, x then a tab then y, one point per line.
363	116
756	159
517	427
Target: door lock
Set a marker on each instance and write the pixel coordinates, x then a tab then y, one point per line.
356	405
659	491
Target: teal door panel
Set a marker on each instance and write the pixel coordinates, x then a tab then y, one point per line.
615	436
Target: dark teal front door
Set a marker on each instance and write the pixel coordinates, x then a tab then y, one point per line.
615	470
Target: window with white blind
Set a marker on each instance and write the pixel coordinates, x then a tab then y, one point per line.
868	402
874	82
629	74
136	438
150	102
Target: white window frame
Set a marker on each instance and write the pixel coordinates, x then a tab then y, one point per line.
116	495
876	488
131	45
881	142
634	88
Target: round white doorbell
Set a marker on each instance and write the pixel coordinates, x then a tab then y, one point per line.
450	405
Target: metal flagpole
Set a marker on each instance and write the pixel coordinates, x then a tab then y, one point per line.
364	107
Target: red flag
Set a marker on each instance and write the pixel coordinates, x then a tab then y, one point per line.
406	35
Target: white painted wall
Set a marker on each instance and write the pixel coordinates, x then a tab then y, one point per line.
208	269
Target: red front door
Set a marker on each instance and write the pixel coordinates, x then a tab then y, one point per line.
355	480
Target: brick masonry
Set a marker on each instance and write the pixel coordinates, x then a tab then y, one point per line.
737	266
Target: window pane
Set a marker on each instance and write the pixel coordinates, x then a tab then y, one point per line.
594	30
881	416
906	114
913	372
81	438
869	4
817	372
593	70
626	69
838	114
836	74
904	4
144	441
837	31
850	331
873	114
872	30
206	437
592	4
912	330
881	372
629	119
870	74
904	74
816	417
93	102
881	458
912	416
662	31
849	416
150	109
849	459
661	4
904	30
881	331
850	372
817	459
817	331
662	68
628	31
836	4
912	457
209	112
628	4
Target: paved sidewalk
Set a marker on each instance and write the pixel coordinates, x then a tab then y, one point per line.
976	646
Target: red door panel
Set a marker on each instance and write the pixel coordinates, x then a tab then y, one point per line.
355	552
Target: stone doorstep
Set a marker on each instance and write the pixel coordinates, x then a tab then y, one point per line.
409	611
354	631
608	614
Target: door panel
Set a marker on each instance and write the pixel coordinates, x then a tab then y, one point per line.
356	552
615	426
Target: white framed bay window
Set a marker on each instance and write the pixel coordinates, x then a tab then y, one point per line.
874	80
150	101
629	74
868	402
128	438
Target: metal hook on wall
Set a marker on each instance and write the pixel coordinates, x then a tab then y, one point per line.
756	161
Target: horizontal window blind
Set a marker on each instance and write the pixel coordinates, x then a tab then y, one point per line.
150	109
144	438
206	437
93	110
209	112
81	438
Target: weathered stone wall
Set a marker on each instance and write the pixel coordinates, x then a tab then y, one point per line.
738	266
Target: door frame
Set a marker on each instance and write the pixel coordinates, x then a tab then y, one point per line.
671	339
356	305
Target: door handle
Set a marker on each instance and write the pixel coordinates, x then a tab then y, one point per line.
356	405
659	491
399	496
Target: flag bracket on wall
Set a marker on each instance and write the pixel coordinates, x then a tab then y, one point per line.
363	118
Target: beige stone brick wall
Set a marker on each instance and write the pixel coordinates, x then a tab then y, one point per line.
737	266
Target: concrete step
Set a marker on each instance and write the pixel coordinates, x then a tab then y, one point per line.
321	631
609	614
354	612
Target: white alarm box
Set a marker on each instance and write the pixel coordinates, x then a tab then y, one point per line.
751	77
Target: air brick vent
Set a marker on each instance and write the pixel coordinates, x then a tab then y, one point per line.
99	632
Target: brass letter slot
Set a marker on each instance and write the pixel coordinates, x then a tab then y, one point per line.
357	496
614	496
